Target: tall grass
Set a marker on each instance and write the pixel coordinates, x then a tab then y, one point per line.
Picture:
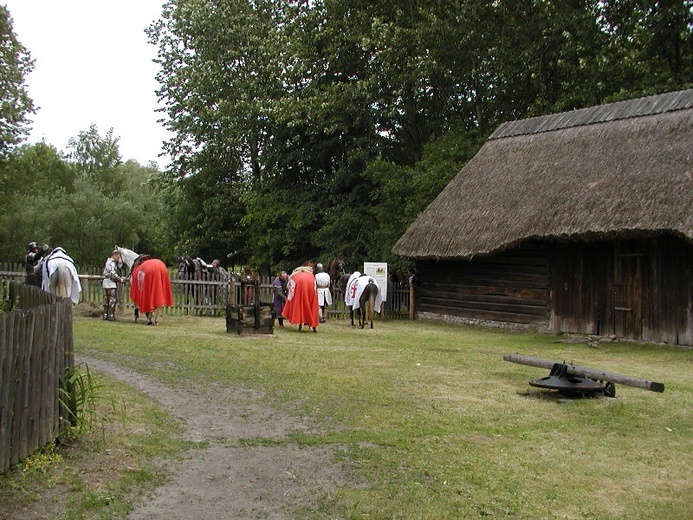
434	424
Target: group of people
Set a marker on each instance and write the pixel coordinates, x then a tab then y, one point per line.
38	271
302	297
299	298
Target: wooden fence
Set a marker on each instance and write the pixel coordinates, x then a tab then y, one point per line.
209	294
36	347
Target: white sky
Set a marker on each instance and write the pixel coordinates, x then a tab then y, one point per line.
93	65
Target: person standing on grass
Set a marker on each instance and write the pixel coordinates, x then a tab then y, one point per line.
279	296
302	299
323	280
111	279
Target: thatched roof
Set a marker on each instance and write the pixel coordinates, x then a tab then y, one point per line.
612	171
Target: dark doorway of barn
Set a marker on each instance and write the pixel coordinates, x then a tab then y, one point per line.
628	290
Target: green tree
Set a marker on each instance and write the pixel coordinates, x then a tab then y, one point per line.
27	172
36	168
86	223
15	103
97	158
650	45
221	68
147	196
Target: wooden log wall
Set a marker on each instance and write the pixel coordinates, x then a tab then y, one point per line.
36	347
631	288
638	289
511	287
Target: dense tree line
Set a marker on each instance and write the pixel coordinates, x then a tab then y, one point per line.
84	201
305	129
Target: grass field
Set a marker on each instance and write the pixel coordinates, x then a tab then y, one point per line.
434	423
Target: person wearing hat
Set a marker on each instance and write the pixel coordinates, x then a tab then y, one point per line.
33	256
111	279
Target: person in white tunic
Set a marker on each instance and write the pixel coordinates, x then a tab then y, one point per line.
322	280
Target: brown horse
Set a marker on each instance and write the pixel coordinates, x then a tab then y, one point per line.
367	303
336	269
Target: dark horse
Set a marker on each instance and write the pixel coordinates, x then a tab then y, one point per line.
189	268
367	303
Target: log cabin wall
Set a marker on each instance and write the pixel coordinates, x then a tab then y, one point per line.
667	310
635	289
509	288
581	292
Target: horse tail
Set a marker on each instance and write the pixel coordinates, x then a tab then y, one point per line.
61	281
367	304
370	306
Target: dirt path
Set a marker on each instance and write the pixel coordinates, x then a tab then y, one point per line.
224	481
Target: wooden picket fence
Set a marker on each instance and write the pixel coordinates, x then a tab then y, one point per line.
208	295
36	348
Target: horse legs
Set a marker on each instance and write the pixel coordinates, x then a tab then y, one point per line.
370	309
351	314
153	317
137	314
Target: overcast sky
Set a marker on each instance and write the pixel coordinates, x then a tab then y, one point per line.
93	65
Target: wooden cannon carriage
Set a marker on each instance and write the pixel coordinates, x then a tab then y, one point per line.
577	380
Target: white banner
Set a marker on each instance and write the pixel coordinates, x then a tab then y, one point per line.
378	270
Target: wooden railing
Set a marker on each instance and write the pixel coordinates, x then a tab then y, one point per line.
36	348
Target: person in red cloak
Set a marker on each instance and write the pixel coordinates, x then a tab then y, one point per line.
302	300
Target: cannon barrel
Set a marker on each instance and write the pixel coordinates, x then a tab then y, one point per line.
596	375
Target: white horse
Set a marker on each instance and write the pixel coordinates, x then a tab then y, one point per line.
59	275
150	286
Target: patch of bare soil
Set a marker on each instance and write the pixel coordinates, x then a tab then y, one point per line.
226	480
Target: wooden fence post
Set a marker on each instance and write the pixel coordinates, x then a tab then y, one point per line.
412	302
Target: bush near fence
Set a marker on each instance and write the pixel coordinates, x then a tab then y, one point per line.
36	348
209	295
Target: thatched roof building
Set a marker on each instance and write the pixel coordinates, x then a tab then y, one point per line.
603	172
578	222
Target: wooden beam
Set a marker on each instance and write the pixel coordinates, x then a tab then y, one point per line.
596	375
